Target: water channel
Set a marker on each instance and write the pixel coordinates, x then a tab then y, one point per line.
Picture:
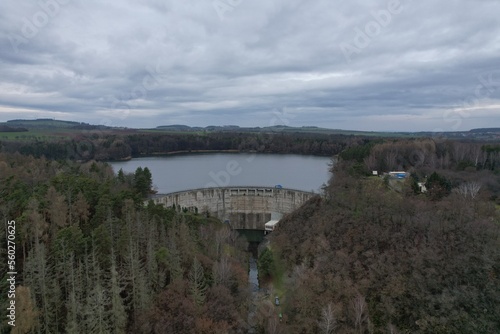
253	282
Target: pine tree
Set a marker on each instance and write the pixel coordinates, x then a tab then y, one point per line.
37	275
97	300
174	263
148	178
121	176
118	312
141	292
72	324
73	303
151	261
198	286
57	210
437	186
266	263
143	181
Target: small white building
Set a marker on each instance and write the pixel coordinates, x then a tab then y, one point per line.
422	187
271	225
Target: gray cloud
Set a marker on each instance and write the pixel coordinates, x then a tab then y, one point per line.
408	66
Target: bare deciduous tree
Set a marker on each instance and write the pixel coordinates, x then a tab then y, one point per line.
417	157
299	274
359	312
222	272
371	162
462	190
328	321
391	329
468	189
221	237
476	153
474	188
273	325
459	151
390	159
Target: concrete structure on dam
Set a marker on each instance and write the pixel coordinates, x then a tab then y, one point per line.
242	207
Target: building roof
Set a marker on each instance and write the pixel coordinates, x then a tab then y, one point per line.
272	222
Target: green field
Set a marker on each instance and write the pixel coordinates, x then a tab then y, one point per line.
47	129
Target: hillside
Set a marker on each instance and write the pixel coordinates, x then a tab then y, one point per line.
43	128
91	258
367	259
51	124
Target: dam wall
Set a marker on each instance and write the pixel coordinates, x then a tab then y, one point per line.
242	207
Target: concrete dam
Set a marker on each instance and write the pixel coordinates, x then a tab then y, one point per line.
247	208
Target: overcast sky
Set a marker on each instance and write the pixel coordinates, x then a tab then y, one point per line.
367	65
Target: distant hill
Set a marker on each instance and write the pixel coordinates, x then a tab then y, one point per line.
48	123
178	127
42	122
58	126
484	134
280	128
6	128
485	130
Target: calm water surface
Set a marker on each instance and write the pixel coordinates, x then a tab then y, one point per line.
191	171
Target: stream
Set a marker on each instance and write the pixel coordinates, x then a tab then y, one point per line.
253	276
253	283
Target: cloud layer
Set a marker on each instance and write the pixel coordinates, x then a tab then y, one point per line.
397	65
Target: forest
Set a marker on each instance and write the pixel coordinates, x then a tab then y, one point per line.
92	258
369	255
104	145
372	257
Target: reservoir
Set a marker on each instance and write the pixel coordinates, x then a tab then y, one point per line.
191	171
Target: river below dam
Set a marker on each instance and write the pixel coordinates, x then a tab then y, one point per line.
253	275
253	282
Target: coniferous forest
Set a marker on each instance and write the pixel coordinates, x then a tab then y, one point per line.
369	255
93	259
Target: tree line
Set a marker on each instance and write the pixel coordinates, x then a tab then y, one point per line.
93	258
107	145
452	163
393	154
369	257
